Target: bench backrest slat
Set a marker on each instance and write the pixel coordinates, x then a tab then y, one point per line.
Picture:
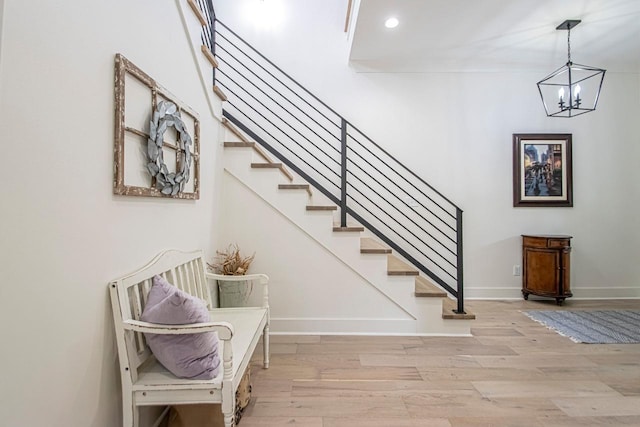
129	294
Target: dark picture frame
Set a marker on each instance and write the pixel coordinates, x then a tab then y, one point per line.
542	171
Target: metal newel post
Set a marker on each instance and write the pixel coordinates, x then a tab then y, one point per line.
343	174
460	272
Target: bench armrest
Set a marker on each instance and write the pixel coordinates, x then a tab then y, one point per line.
224	329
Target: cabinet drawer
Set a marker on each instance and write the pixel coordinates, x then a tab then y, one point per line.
559	243
535	242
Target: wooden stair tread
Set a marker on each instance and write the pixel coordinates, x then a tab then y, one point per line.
293	186
424	288
255	147
448	307
321	208
372	246
209	55
219	93
397	267
231	144
196	10
306	187
266	165
348	228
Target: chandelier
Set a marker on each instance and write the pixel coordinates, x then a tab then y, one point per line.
572	89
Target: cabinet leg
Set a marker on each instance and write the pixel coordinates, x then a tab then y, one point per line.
525	295
559	301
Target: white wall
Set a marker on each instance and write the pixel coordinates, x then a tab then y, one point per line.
1	31
64	234
454	129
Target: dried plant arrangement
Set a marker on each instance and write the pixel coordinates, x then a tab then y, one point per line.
230	263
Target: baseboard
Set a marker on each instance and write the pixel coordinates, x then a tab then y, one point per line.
513	293
606	293
341	326
492	293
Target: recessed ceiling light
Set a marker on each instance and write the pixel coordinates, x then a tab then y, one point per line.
391	23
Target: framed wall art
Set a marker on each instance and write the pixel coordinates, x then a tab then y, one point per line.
542	173
157	138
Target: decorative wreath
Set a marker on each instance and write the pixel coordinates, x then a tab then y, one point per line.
166	115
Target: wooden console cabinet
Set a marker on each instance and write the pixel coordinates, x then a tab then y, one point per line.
546	266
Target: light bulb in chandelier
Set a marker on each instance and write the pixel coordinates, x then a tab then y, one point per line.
576	95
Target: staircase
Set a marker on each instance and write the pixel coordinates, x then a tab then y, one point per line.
428	305
372	201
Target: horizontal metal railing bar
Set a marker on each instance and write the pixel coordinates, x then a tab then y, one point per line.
403	166
398	222
406	193
355	215
231	91
281	157
396	208
280	119
328	180
278	68
401	236
278	80
408	182
284	146
273	100
276	91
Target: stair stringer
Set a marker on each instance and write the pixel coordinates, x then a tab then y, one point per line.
400	290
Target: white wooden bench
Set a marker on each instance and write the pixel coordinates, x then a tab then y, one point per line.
145	382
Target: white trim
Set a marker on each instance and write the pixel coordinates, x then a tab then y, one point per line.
493	293
362	326
616	292
515	293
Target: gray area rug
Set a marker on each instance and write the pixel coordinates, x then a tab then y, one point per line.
592	327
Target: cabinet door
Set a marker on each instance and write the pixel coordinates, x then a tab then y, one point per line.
541	270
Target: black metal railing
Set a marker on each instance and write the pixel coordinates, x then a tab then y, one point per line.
349	168
208	36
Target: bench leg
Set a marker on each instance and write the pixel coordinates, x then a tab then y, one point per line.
265	349
229	420
130	414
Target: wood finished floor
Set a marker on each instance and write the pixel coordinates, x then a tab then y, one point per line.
511	372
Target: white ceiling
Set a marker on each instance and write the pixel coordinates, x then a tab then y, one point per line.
494	35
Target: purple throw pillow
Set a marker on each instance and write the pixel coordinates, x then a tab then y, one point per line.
193	356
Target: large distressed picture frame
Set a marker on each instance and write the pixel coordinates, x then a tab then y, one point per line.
137	97
542	173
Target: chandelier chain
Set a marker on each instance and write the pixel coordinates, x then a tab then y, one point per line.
569	44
